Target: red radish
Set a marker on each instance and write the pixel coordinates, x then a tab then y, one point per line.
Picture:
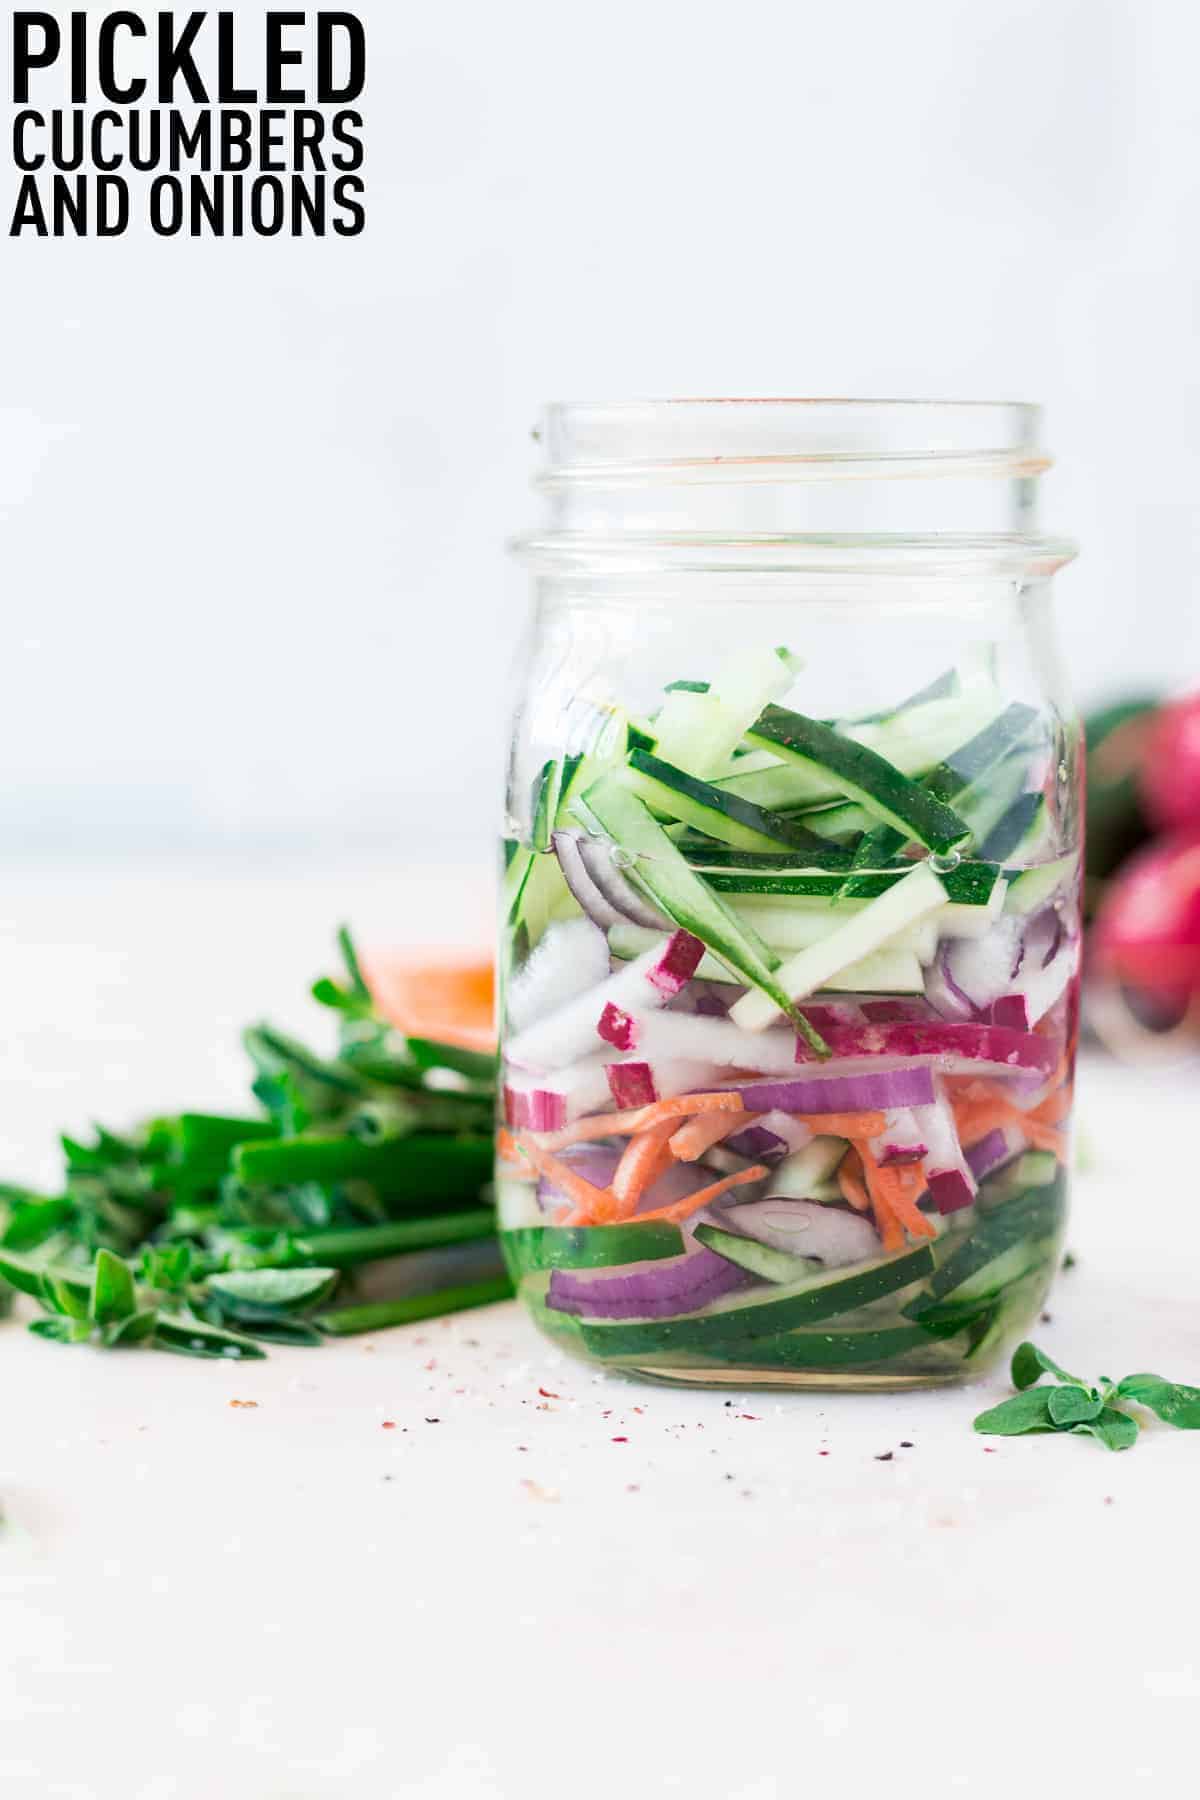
1147	933
1170	771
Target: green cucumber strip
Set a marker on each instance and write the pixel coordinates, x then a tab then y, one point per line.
911	898
1033	1169
975	760
790	926
706	856
860	774
674	794
518	861
665	876
843	821
545	804
1032	1215
838	1349
949	682
1017	829
969	884
800	1175
731	1322
1030	888
686	687
911	743
699	732
639	739
588	1246
883	972
760	1259
685	727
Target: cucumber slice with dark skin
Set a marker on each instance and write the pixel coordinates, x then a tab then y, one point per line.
533	1247
545	804
705	855
1018	826
861	775
1032	1215
684	896
970	884
821	1297
966	778
713	810
760	1259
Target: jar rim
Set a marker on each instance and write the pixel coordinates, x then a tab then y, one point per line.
619	555
685	441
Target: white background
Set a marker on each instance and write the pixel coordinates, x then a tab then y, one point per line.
253	495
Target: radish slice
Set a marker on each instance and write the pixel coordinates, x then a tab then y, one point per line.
571	959
951	1046
947	1171
901	1140
645	984
632	1084
548	1102
983	968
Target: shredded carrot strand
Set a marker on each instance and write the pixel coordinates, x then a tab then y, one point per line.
847	1125
849	1179
705	1130
645	1158
683	1209
633	1119
587	1198
895	1187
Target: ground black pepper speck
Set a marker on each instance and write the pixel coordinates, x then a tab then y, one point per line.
885	1456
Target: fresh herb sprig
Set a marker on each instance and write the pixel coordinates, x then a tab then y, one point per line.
1078	1407
357	1198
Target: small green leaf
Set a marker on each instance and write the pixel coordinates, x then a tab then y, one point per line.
66	1294
253	1293
1173	1402
1115	1430
62	1331
1029	1411
136	1328
1029	1364
192	1337
167	1267
113	1296
23	1275
1073	1405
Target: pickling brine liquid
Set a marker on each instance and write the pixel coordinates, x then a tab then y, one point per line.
789	960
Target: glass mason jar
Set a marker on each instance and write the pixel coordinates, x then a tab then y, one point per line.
790	906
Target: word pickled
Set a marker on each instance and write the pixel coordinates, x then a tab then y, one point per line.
38	44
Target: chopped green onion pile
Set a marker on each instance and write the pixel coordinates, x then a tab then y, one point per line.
355	1197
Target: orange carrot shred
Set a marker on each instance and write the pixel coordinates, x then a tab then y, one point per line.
645	1158
633	1119
849	1179
893	1189
706	1129
595	1202
683	1209
847	1125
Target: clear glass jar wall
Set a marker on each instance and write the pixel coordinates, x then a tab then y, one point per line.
790	933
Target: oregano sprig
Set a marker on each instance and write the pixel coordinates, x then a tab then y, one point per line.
1074	1406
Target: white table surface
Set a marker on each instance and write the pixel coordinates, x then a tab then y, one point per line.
404	1570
